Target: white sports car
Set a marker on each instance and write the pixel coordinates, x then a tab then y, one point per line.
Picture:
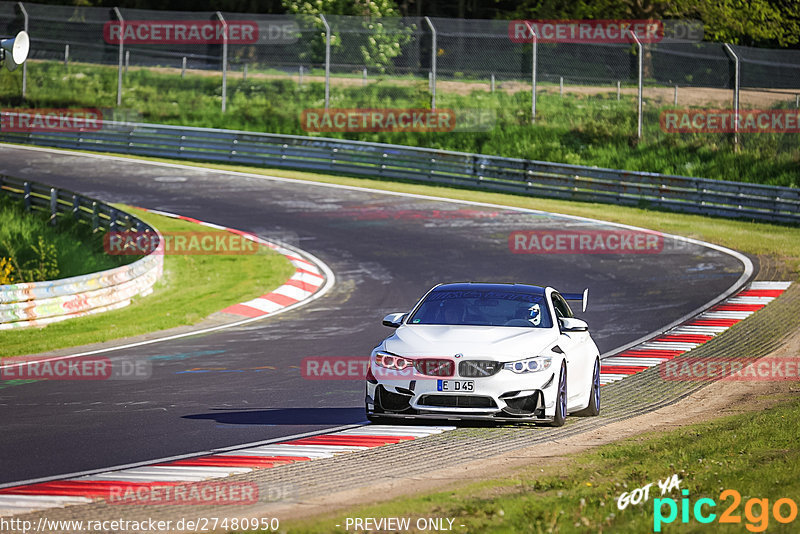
502	352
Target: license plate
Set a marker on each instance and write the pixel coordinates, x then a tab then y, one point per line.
455	385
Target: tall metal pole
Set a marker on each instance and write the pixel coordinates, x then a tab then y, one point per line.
224	60
534	41
25	64
121	54
327	61
434	49
639	98
735	58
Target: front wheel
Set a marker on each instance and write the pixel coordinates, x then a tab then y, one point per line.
594	394
561	400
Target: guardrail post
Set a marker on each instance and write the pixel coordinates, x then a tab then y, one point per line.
224	60
112	224
95	217
121	54
25	63
735	58
534	41
433	62
53	205
27	195
327	61
76	207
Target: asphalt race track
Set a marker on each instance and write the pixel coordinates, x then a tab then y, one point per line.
385	251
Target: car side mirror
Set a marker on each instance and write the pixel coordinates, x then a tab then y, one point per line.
571	324
394	320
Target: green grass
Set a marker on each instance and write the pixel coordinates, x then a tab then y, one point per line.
755	454
75	250
192	287
592	130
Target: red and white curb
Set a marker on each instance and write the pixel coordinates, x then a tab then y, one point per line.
86	489
307	279
692	333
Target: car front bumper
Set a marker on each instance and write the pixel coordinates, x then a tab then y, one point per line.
503	396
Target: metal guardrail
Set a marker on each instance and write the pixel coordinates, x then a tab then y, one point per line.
376	160
41	303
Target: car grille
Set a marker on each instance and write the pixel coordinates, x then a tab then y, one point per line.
457	401
434	367
478	368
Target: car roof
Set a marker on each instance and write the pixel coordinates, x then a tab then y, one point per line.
484	286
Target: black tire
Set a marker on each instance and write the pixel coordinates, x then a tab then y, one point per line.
376	419
561	400
594	396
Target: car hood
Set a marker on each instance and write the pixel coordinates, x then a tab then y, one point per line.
501	343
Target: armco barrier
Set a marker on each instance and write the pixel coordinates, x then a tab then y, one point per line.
375	160
41	303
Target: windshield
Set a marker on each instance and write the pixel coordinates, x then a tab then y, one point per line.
483	308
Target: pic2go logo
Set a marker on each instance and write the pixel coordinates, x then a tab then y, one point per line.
756	511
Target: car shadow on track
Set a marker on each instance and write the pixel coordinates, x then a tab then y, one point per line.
286	416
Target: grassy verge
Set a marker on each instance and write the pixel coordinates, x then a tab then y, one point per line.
578	128
192	287
581	494
34	250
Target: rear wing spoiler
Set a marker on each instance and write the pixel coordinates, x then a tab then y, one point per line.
583	297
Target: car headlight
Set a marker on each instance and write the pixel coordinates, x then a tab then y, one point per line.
392	361
529	365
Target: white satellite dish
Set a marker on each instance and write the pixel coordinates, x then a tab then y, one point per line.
15	50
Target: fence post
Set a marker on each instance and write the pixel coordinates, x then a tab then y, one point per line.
183	68
561	86
121	54
66	55
434	48
493	82
301	76
676	96
224	60
76	207
535	41
127	60
244	73
735	58
53	205
639	97
364	79
619	90
327	61
25	63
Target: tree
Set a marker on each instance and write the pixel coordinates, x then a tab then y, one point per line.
382	39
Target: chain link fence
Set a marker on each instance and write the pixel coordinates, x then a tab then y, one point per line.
284	64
